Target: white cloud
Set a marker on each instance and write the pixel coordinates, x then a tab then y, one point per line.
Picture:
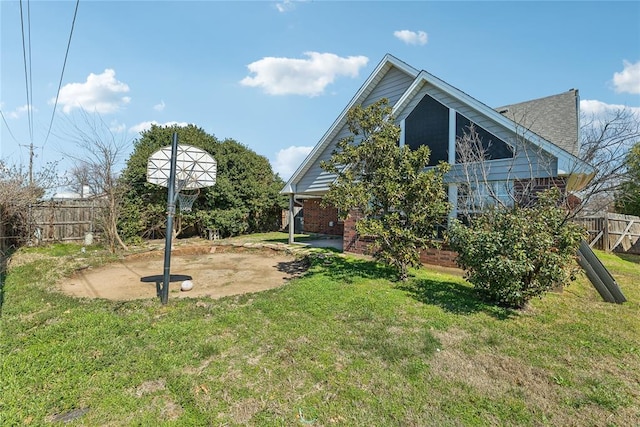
285	6
628	80
142	126
598	111
101	93
412	37
288	5
160	106
116	127
287	76
288	160
21	111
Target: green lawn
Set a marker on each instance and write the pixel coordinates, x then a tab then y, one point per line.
343	345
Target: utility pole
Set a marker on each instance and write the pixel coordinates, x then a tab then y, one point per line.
31	165
31	155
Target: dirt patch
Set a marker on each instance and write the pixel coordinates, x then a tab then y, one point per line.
216	271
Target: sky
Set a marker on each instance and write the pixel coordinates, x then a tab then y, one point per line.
275	75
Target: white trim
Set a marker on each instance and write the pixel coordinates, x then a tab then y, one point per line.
452	136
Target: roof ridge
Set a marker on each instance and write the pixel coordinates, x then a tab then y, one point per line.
572	90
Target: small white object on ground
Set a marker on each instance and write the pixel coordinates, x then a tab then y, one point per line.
187	285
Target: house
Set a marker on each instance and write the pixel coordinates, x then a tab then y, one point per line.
531	144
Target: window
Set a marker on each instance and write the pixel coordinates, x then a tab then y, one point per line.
475	198
428	124
493	147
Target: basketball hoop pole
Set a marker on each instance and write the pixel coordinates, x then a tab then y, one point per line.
171	210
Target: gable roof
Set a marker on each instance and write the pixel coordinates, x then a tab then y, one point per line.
567	162
555	118
388	62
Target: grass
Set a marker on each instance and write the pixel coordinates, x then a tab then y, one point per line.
343	345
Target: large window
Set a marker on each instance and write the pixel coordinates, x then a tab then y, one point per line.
492	146
428	124
476	197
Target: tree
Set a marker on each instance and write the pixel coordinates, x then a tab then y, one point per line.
513	254
628	195
19	190
100	152
516	244
79	179
400	201
605	142
244	199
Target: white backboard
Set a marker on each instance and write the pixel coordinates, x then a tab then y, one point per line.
193	165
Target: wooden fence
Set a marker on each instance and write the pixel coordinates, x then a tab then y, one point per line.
62	221
613	232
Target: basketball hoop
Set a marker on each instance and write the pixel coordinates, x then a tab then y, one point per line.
187	169
186	198
195	169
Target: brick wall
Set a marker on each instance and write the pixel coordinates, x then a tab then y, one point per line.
353	243
441	257
320	220
526	190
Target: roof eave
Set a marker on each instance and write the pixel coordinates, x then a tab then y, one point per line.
566	160
363	92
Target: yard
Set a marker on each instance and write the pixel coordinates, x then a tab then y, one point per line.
341	345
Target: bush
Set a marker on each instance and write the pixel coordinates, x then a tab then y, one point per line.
228	223
511	255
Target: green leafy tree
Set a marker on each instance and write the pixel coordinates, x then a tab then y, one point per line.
628	195
401	202
244	199
511	255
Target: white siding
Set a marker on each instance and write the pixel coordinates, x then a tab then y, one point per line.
391	86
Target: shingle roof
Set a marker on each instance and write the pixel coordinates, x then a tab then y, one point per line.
554	118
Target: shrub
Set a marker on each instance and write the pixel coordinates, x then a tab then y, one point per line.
511	255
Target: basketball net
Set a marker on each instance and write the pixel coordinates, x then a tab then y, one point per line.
185	196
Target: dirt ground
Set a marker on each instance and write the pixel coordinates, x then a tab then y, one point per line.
216	271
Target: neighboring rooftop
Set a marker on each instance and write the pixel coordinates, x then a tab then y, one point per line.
554	118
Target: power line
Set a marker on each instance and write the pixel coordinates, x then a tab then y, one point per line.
30	106
64	64
7	125
26	74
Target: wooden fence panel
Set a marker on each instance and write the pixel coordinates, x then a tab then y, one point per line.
613	232
67	220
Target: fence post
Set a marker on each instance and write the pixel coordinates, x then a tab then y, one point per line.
606	245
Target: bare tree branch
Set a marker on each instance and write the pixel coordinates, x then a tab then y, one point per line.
605	144
96	162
